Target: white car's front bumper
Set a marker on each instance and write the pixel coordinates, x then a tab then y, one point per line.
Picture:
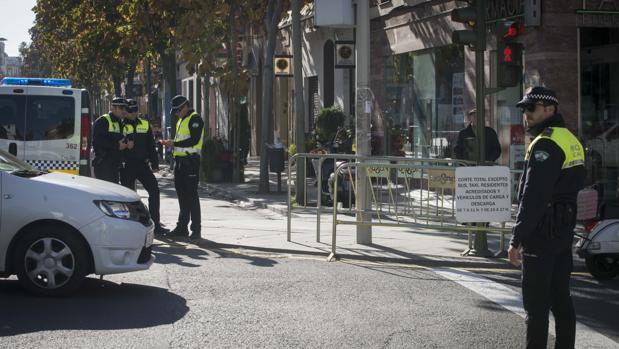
119	246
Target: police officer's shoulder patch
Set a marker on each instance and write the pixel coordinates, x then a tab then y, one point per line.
541	155
195	125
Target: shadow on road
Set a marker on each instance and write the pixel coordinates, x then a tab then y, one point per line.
181	254
97	305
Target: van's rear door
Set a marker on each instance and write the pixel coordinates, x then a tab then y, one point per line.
13	119
52	129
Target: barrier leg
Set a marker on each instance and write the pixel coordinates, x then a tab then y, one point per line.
502	252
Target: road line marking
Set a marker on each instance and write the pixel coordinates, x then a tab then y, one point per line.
586	337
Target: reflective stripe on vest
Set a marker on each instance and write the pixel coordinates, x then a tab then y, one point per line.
113	126
141	127
183	133
569	144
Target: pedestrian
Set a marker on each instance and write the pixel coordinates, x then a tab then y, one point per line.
141	161
542	236
187	145
466	143
108	142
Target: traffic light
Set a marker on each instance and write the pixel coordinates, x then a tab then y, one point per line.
509	57
472	18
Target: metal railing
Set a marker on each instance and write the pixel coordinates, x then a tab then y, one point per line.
407	206
319	160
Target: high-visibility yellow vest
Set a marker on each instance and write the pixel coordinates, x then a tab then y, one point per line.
183	133
113	126
140	127
573	150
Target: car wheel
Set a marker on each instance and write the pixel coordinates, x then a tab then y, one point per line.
603	267
50	261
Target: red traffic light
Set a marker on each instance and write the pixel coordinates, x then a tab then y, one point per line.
514	30
507	54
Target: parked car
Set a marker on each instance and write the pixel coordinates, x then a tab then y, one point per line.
56	228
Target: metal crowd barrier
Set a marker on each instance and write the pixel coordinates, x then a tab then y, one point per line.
380	181
406	205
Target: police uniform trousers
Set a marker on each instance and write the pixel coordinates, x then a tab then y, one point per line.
107	171
139	170
545	287
186	178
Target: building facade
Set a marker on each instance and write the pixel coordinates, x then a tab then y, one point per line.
424	83
13	66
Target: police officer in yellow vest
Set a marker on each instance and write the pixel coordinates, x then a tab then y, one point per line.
187	147
108	142
544	229
141	161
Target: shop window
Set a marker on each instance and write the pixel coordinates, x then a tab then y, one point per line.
600	107
424	100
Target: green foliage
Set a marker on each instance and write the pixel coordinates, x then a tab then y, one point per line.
292	149
310	142
327	122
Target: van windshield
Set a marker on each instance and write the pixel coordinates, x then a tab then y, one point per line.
9	163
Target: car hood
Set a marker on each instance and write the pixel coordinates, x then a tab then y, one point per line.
97	188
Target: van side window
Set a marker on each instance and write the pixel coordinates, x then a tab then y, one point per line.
50	117
12	117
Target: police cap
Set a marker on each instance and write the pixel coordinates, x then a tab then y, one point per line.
119	102
539	94
178	102
132	105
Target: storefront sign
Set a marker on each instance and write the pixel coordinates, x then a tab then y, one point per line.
483	194
441	179
503	9
599	13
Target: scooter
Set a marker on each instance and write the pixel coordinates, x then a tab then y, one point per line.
599	245
335	146
345	192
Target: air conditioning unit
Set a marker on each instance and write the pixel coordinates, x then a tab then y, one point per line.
282	65
344	54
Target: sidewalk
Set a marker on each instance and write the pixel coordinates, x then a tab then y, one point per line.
266	233
247	193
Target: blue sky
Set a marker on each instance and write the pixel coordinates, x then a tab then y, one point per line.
17	18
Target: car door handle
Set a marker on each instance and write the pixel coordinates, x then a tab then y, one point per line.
8	196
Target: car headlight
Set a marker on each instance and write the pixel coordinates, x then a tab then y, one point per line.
115	209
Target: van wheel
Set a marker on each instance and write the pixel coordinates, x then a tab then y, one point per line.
50	261
603	267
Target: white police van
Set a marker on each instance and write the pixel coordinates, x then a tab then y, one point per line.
46	123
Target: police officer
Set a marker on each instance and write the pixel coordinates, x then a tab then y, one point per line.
542	236
141	161
187	147
108	142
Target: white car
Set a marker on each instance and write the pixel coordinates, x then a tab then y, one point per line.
56	228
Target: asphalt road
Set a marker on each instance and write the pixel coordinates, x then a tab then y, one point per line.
205	297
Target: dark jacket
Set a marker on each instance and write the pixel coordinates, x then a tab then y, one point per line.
144	148
105	143
493	147
547	195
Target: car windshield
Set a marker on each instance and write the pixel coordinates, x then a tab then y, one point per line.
9	163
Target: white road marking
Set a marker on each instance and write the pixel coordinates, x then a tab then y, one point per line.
586	337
